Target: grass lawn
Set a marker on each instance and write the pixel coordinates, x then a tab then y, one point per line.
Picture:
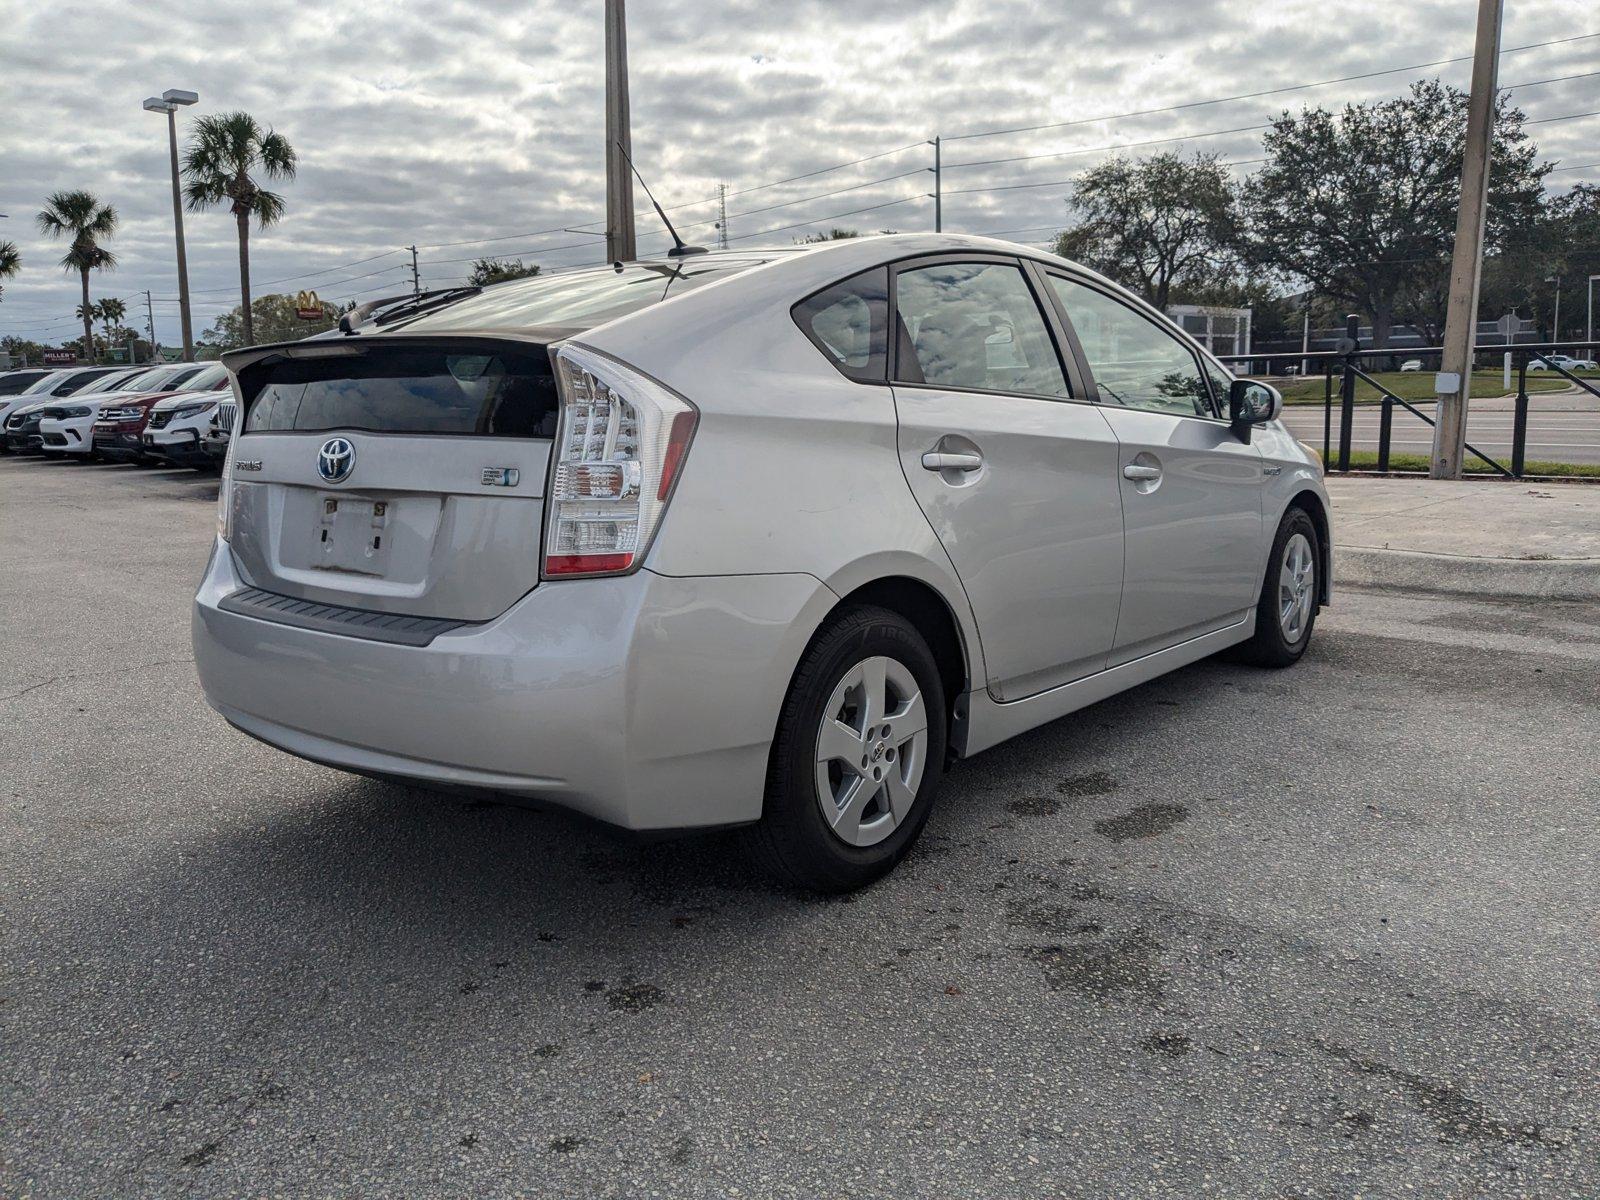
1414	385
1367	460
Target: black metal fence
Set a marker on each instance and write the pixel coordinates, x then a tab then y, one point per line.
1341	371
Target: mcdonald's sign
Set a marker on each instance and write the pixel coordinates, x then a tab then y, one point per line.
307	307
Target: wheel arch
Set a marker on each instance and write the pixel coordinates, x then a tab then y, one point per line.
1313	506
940	623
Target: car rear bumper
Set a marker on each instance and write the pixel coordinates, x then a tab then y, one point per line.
645	701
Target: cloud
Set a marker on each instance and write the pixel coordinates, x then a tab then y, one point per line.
436	122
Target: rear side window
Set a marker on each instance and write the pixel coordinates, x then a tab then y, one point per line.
849	322
402	390
975	325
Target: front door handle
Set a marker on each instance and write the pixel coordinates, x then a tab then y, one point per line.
935	460
1140	473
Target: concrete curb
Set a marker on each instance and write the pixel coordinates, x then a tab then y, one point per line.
1450	574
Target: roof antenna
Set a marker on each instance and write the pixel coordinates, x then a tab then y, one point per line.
679	250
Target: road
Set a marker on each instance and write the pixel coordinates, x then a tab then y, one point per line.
1316	933
1569	433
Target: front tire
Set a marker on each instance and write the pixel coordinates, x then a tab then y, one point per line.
857	755
1287	610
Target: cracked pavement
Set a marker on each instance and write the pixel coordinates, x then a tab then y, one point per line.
1319	933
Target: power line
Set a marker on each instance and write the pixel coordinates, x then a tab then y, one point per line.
1299	87
1568	117
990	162
836	216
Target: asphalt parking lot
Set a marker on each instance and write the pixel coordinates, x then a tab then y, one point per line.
1321	933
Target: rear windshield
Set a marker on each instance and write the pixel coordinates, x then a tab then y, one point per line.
496	393
579	298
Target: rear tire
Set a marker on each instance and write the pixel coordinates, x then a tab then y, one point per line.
1286	612
857	755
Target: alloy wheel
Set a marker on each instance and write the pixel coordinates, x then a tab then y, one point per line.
1296	590
872	750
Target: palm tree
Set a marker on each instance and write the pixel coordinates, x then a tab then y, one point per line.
111	311
10	261
216	167
86	220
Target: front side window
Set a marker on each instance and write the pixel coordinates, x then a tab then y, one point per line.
849	322
1136	363
974	325
1220	382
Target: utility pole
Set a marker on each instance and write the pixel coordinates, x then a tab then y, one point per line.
621	245
1588	335
1454	382
416	280
1555	325
938	185
722	215
150	320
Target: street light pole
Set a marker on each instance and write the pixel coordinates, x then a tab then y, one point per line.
169	102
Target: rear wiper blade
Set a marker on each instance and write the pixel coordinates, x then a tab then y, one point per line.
392	308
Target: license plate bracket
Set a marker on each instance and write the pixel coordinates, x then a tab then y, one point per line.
351	534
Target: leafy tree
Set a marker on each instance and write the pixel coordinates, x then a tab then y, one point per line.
497	270
1564	244
1362	203
23	350
86	221
1156	223
10	262
273	318
217	166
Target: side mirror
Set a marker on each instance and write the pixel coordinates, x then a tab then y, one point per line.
1251	403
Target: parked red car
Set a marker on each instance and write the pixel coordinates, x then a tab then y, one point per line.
118	429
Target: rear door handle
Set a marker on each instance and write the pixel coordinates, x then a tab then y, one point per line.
1137	472
935	460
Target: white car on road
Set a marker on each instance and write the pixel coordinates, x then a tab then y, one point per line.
67	426
1565	361
755	538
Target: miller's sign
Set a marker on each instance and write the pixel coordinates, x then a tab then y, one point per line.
307	307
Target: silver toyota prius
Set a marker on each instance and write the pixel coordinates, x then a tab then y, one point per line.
759	539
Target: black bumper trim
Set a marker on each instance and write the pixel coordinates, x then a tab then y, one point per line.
363	623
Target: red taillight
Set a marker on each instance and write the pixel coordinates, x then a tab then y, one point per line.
586	564
620	445
678	439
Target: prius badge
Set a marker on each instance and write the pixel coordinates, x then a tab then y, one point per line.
336	459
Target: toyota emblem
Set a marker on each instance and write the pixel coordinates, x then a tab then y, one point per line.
336	460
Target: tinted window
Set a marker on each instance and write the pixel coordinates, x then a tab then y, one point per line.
849	323
974	325
1135	362
582	298
11	385
433	391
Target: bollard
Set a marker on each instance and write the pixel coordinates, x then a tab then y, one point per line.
1385	428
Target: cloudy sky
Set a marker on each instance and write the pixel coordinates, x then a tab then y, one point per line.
445	121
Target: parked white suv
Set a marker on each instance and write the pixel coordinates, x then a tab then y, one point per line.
752	539
67	427
179	424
